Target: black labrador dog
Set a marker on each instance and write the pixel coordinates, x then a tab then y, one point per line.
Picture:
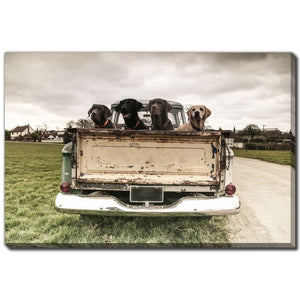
129	109
99	114
159	109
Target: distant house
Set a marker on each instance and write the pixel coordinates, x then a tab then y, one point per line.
272	132
53	136
232	143
238	145
23	131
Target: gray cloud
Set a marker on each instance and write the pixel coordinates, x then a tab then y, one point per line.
238	87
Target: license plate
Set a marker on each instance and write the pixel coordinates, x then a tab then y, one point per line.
146	194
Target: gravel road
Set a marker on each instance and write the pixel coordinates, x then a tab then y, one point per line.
268	212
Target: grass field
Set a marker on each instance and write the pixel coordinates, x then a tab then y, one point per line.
279	157
32	178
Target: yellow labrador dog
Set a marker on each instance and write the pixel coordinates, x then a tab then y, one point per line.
197	115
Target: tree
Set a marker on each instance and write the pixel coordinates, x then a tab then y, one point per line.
34	136
7	135
84	123
39	133
45	126
252	130
71	124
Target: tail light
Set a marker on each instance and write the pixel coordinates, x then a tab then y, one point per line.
230	189
65	187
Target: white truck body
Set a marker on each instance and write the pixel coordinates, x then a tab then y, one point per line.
148	173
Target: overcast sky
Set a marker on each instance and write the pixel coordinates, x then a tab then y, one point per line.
239	89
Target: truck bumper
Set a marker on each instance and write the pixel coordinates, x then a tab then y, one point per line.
109	205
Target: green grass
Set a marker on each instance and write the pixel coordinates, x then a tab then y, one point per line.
32	178
274	156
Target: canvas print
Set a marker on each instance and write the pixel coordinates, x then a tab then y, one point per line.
149	150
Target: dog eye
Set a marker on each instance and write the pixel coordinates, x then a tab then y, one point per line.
201	109
193	109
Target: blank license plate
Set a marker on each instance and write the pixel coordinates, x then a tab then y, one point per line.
146	194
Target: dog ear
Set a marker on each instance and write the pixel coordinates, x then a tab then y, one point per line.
138	105
91	109
107	112
147	108
207	112
189	111
118	107
167	106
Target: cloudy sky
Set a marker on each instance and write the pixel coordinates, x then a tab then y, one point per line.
239	89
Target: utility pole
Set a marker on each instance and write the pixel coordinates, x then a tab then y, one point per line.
264	128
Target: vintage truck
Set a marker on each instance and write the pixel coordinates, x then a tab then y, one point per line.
148	173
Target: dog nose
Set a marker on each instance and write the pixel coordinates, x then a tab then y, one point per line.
197	115
154	107
123	110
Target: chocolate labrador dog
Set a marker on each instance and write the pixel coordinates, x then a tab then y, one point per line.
99	114
159	109
129	109
197	115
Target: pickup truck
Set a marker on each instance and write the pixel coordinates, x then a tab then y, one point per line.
147	172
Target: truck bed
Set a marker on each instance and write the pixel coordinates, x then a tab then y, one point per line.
146	157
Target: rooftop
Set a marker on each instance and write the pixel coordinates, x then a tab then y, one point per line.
19	129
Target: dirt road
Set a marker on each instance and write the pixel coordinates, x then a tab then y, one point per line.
267	211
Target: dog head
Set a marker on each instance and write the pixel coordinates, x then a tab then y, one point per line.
198	113
128	107
158	107
99	113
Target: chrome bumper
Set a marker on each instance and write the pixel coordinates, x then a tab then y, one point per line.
109	205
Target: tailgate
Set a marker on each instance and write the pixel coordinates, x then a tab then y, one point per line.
148	157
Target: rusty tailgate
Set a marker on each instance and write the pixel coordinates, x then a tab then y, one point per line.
148	157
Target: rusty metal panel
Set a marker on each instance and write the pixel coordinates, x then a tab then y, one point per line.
148	157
